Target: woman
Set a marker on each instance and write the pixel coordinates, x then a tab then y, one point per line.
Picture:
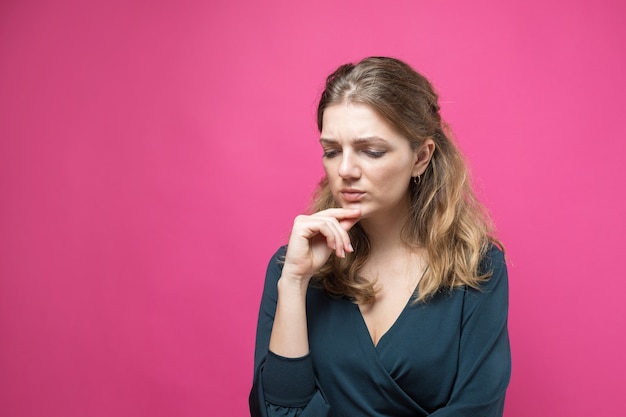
391	298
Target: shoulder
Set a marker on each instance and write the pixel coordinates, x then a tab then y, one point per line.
493	261
274	270
496	285
278	257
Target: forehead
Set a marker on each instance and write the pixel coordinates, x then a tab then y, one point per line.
352	121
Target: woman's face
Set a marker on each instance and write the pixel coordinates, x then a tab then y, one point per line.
368	164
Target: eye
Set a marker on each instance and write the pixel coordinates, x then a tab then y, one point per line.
330	153
374	153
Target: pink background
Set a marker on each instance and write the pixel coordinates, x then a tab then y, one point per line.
154	153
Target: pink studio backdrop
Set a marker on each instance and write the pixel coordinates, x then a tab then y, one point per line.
154	153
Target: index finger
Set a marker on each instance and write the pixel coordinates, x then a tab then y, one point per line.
340	213
345	217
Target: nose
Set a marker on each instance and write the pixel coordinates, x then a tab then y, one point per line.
349	168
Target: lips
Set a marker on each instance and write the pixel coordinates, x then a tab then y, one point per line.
351	194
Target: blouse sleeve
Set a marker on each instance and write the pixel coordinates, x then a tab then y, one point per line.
282	387
484	366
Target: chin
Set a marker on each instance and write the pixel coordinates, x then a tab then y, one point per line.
365	211
349	205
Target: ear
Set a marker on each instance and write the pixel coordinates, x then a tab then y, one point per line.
422	157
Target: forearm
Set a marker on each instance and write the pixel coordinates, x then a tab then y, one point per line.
289	337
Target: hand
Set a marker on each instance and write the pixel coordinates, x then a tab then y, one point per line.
313	238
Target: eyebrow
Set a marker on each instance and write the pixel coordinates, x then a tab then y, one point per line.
367	139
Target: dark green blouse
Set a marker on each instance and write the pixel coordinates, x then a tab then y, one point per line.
448	356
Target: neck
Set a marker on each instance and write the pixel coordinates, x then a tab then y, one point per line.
390	257
385	232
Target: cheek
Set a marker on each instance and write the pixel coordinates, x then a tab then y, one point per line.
391	173
331	166
393	178
327	169
331	176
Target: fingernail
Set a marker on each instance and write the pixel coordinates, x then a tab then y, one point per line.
350	248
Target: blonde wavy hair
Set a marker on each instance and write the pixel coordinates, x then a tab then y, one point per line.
445	217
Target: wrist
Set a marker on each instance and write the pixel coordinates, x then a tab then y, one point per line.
293	283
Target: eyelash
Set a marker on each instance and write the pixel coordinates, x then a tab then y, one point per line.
375	154
370	153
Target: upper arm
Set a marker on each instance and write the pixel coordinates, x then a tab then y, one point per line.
484	366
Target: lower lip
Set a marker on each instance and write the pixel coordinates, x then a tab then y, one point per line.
352	197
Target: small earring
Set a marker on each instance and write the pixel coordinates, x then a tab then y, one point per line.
417	180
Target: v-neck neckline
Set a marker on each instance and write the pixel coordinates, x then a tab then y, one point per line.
385	335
